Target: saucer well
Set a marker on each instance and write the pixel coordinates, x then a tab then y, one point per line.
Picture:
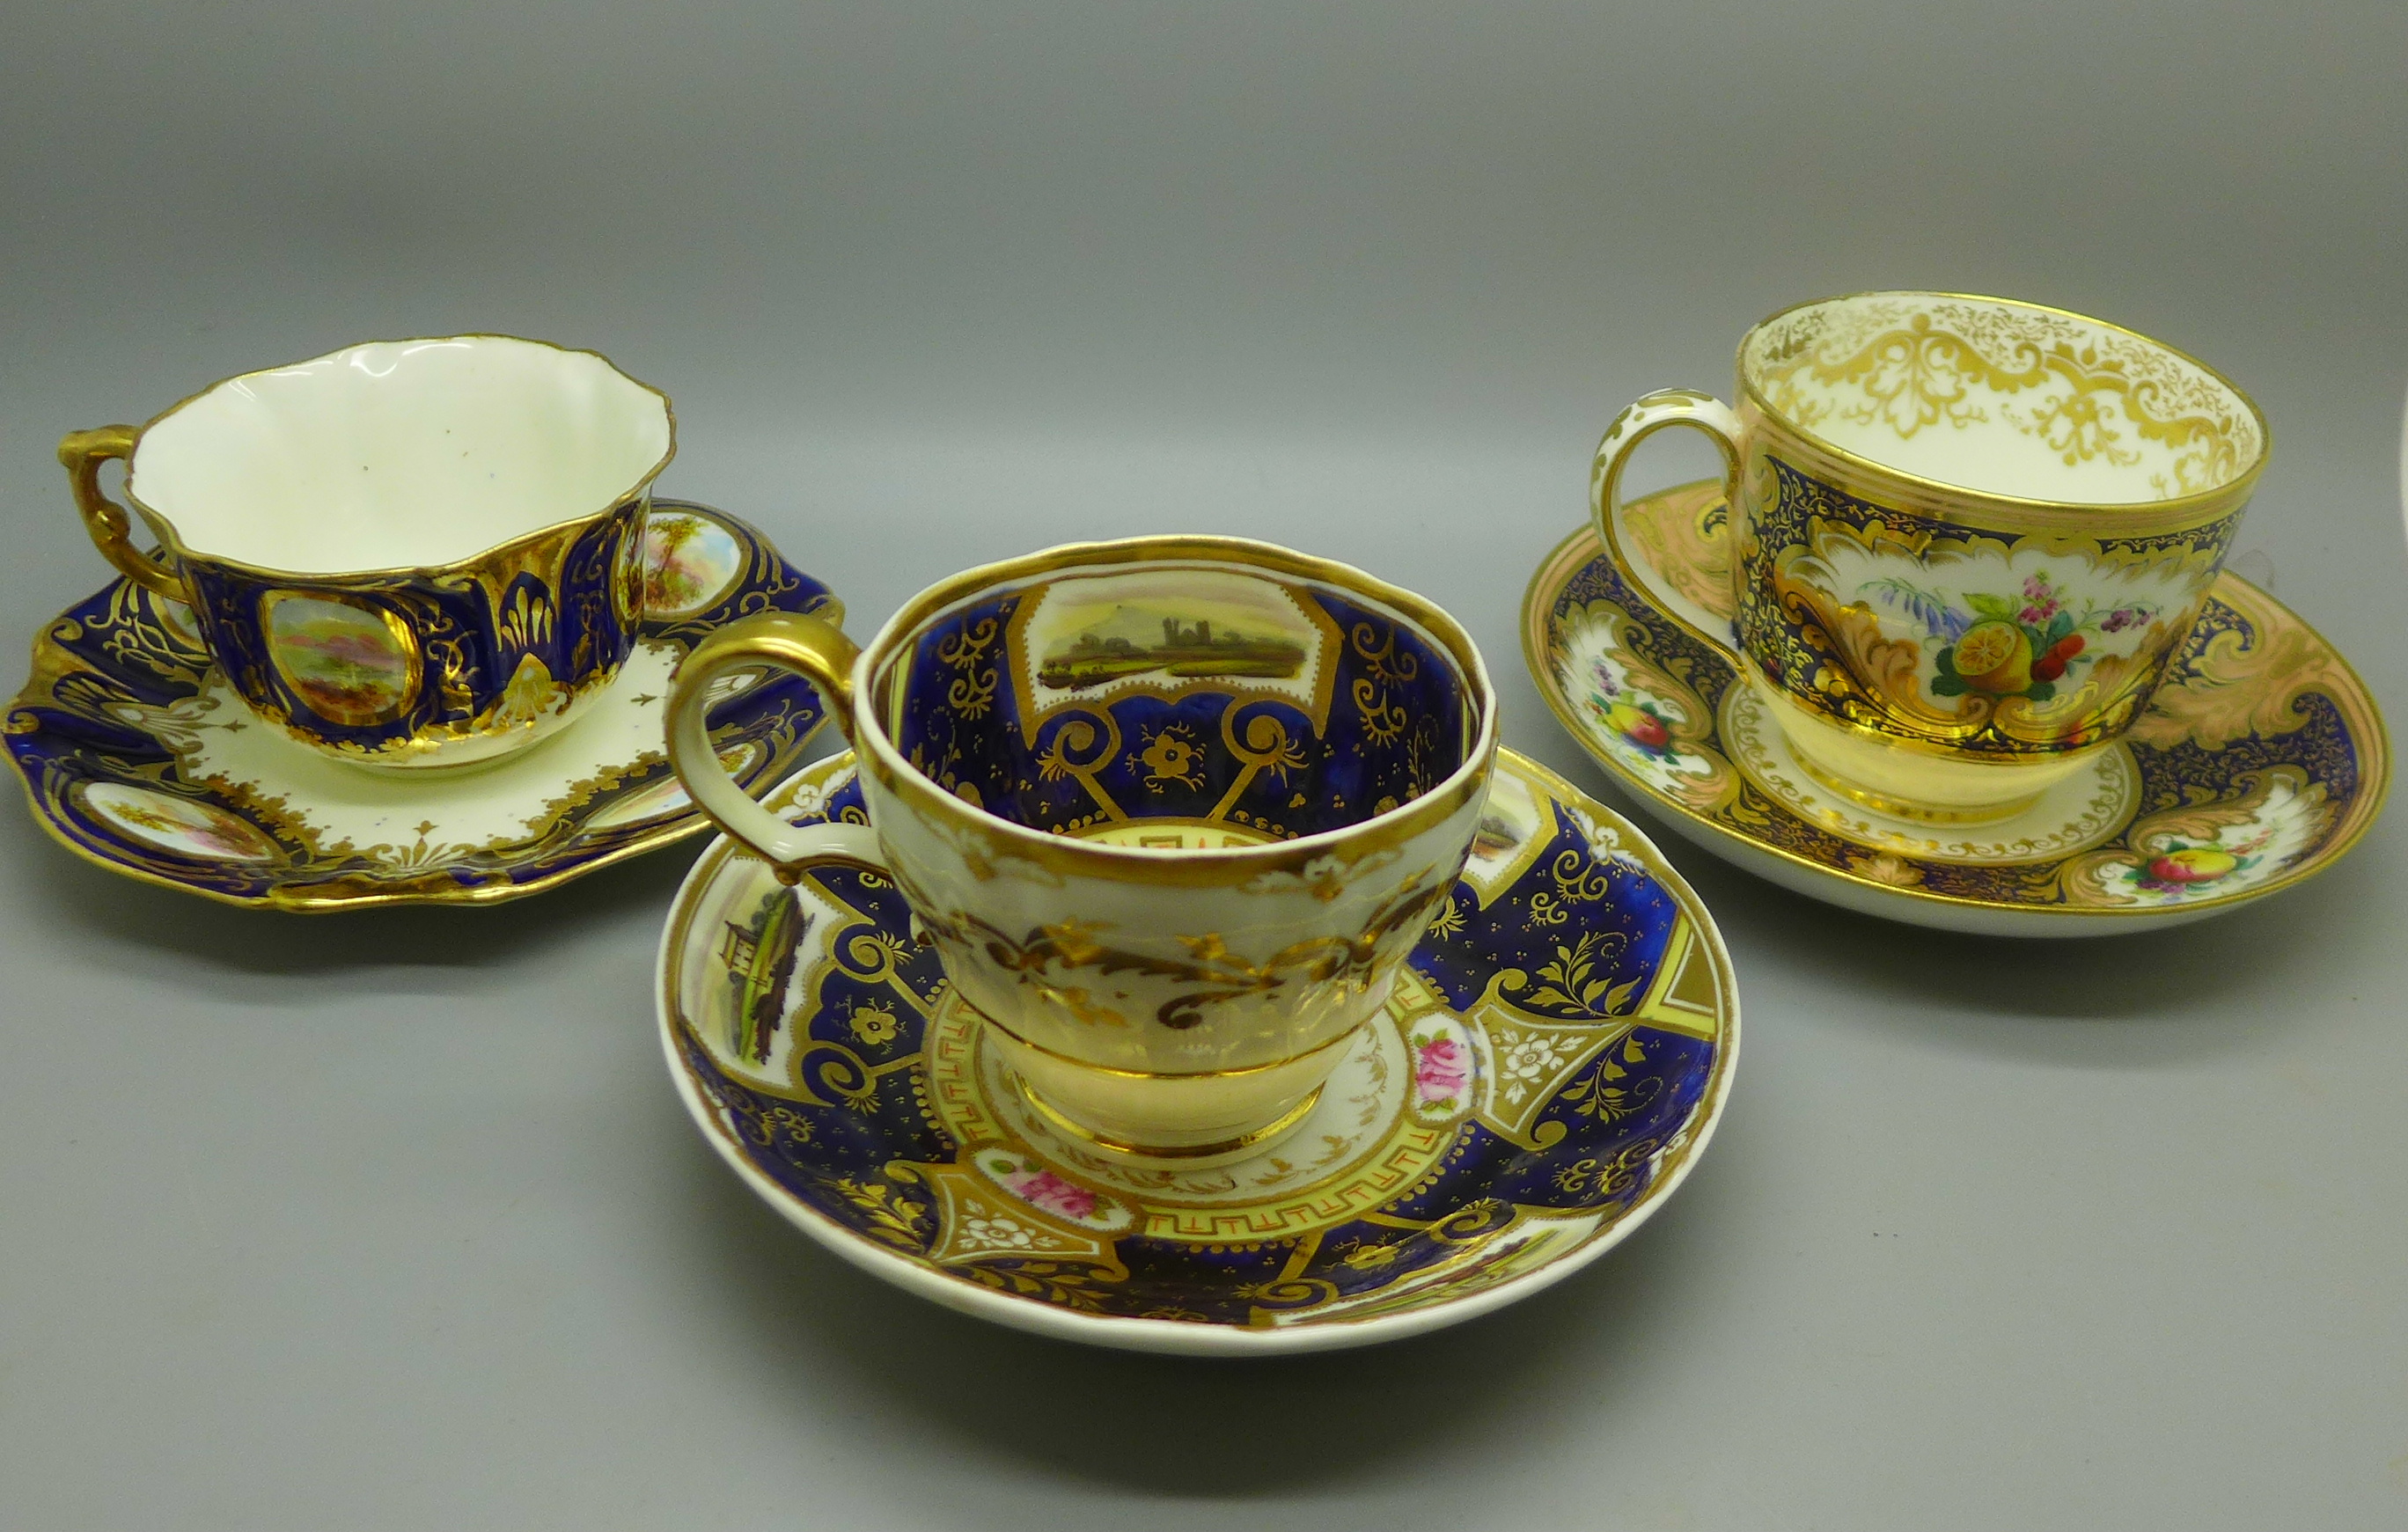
2261	760
138	755
1545	1074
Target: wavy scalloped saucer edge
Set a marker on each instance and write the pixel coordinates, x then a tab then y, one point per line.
137	759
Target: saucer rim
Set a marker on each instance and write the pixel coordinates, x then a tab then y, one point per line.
1190	1338
667	832
1561	564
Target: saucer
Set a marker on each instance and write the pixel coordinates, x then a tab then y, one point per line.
1547	1070
2260	761
138	756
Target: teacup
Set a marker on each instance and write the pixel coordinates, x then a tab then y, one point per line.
408	554
1173	811
1969	534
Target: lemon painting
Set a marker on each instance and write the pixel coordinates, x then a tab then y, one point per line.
2019	645
350	663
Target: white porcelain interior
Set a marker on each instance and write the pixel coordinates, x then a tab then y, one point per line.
2003	398
399	454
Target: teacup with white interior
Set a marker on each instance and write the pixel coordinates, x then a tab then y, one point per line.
407	553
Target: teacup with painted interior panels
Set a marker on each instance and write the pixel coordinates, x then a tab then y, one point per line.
1172	810
1970	535
409	554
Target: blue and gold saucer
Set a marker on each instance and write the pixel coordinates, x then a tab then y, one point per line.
138	756
1548	1070
2261	759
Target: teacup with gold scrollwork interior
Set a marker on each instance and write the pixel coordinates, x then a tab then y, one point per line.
406	554
1172	809
1970	534
1548	1066
138	755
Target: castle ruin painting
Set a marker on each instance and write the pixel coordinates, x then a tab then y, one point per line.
1188	651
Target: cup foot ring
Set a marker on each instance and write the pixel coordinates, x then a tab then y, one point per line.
1916	813
1182	1156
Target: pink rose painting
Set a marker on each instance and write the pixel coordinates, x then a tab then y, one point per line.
1046	1190
1441	1068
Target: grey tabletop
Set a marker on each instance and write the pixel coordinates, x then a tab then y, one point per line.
394	1220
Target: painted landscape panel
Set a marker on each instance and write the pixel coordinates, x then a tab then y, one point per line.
349	662
688	562
1171	630
201	832
1184	649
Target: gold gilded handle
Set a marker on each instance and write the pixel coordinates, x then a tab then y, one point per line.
1647	415
82	452
818	651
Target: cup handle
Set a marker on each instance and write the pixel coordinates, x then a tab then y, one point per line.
81	453
818	651
1647	415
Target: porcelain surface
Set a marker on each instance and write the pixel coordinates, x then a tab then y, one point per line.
138	754
2259	760
397	454
2008	400
1551	1065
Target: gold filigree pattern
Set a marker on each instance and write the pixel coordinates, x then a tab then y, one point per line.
2244	686
1306	974
1170	756
526	619
1683	532
1388	666
891	1219
1911	364
1565	981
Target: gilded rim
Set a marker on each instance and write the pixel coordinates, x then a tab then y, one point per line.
158	521
1223	865
1578	551
1985	510
1227	1340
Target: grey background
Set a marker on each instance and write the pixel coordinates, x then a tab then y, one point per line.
393	1219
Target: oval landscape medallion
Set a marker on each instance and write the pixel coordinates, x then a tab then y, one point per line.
349	662
201	832
689	561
